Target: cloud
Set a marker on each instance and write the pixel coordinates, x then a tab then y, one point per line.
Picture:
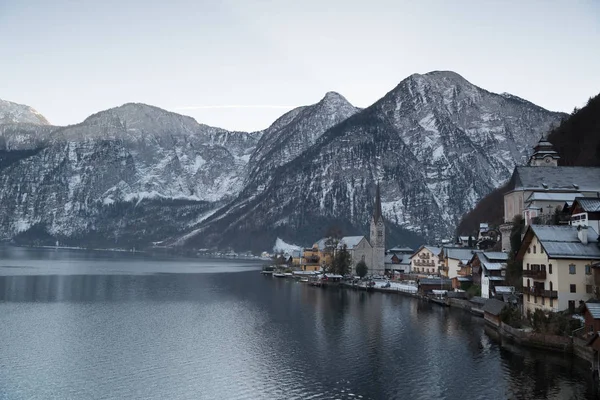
206	107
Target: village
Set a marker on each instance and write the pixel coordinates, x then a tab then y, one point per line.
535	279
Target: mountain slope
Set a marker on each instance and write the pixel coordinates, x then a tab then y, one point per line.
65	180
436	143
13	113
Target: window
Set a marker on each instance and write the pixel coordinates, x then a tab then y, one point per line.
549	268
529	250
541	250
551	302
588	289
527	266
588	269
572	270
534	249
572	306
528	297
362	258
573	288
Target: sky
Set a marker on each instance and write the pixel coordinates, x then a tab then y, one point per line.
241	64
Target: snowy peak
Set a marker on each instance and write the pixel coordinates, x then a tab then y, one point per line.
11	113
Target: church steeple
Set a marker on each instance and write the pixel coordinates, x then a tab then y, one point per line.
544	155
377	207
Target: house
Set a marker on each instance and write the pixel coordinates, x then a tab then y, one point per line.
464	278
491	311
543	186
585	211
452	259
486	237
311	260
397	259
557	266
428	285
426	260
493	271
591	315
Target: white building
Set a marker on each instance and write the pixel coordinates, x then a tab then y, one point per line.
426	260
557	266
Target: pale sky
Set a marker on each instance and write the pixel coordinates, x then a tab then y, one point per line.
241	64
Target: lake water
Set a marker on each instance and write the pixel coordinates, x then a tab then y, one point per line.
99	325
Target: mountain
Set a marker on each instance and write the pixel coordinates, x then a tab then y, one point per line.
12	113
436	143
77	182
139	176
577	141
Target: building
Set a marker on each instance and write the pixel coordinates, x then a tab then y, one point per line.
557	266
359	248
491	311
452	259
591	316
377	237
426	260
585	211
537	189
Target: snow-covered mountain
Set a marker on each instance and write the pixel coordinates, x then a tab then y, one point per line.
68	179
436	142
13	113
137	174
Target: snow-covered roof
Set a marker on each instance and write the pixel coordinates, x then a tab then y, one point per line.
556	178
401	250
589	204
562	241
405	259
504	289
594	309
459	254
350	241
560	197
495	255
493	266
433	249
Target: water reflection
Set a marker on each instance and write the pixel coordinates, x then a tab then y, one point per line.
245	336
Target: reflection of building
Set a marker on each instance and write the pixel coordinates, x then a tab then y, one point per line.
557	266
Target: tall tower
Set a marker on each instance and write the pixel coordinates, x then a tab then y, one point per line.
377	237
544	155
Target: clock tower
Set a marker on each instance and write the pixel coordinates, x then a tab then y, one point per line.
377	236
544	155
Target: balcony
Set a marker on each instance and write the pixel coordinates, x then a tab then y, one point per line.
528	273
550	294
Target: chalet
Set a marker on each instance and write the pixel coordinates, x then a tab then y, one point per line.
426	260
397	259
557	266
452	259
310	260
585	211
492	310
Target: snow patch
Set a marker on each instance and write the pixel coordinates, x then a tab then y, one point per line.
283	247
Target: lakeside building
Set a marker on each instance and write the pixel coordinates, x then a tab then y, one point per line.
557	266
452	259
585	211
538	189
426	260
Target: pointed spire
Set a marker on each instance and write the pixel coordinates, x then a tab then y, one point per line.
377	208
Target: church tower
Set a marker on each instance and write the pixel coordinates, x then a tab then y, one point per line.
544	155
377	237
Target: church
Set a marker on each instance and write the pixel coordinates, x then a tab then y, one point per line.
372	250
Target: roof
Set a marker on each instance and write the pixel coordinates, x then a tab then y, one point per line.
464	278
496	278
405	259
492	266
350	241
435	250
496	255
504	289
459	254
589	204
561	197
556	178
377	214
401	250
561	241
435	281
594	309
478	300
493	306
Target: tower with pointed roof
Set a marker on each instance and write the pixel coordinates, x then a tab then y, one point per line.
544	155
377	236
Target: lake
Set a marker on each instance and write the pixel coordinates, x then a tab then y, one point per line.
101	325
